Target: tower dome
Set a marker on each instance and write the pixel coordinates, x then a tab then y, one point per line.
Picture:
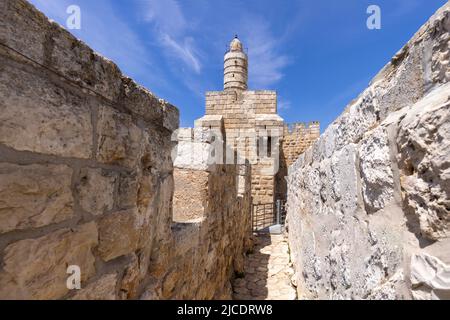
235	67
236	44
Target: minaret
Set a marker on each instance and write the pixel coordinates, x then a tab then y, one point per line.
235	73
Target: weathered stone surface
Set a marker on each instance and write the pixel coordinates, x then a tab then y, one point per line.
376	173
424	146
194	155
171	116
127	194
345	186
440	60
390	290
19	15
355	214
39	116
190	205
76	61
36	268
267	272
85	171
119	139
142	102
101	289
119	234
430	278
34	195
96	190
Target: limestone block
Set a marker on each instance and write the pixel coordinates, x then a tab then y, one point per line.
142	102
119	234
430	278
79	63
404	83
34	195
96	190
424	146
32	24
440	59
190	195
345	178
119	139
389	290
376	173
360	116
184	134
134	273
171	116
127	194
36	268
215	121
102	289
195	155
57	121
156	151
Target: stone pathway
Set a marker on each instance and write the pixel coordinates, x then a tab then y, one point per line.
268	272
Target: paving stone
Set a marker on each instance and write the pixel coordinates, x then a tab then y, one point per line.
267	272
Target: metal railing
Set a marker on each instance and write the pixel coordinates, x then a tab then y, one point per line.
265	215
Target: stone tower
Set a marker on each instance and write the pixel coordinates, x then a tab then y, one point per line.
249	122
235	72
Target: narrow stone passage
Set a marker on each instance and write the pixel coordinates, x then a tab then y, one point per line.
268	272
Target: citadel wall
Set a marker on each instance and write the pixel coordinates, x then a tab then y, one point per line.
368	203
212	229
86	179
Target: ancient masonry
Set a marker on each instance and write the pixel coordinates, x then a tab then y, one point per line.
248	122
369	202
96	176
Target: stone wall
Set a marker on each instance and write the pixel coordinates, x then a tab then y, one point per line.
205	247
86	179
85	165
297	137
368	203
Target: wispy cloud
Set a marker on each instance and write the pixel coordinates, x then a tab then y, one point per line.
266	61
171	28
184	51
284	104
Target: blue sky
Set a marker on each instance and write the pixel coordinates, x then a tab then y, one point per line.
318	55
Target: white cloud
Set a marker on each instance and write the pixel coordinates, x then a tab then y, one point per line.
171	28
266	63
284	104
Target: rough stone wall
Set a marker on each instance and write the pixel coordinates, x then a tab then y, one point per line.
205	247
297	137
85	165
368	203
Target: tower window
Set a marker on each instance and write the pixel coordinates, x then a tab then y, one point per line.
269	146
264	146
